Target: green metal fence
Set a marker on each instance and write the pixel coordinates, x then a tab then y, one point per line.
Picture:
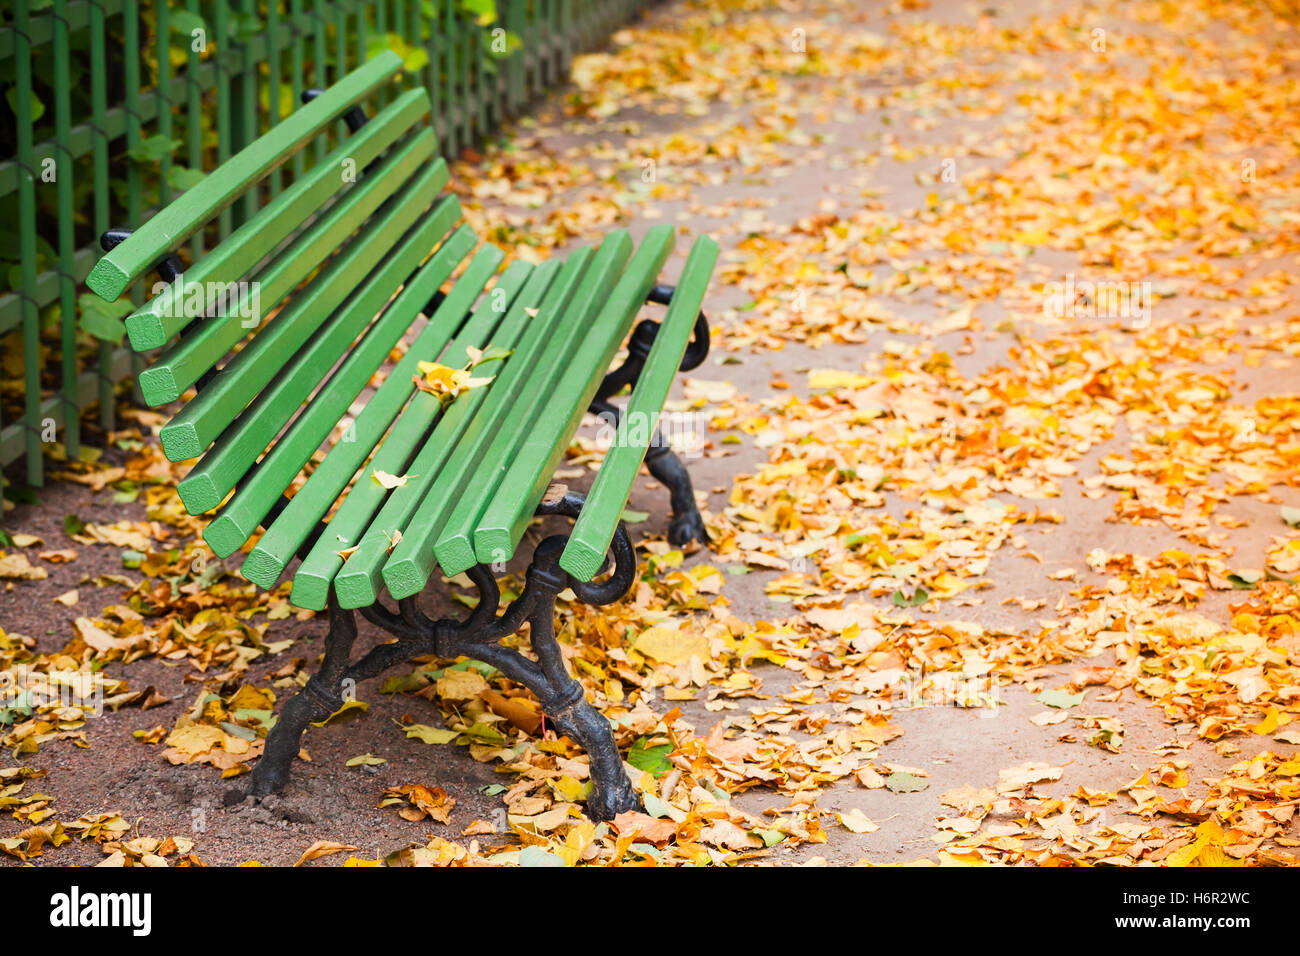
111	107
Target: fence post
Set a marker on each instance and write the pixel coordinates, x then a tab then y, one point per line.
27	234
67	243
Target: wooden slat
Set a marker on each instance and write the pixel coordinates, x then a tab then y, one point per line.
282	540
358	582
225	396
153	325
584	334
257	493
183	363
492	531
311	583
412	560
167	230
595	527
241	444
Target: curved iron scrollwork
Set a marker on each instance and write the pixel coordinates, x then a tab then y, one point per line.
643	339
478	637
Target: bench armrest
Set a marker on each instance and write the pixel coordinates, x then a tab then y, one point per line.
594	530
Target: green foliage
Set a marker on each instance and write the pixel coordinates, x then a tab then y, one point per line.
153	149
38	108
653	760
482	12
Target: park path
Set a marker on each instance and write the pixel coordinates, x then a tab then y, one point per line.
998	451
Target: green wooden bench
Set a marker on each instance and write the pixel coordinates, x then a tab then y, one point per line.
281	328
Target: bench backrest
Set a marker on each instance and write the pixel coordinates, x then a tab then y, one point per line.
229	319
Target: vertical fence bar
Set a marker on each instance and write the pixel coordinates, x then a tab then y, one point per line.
363	40
454	101
339	42
435	45
273	80
194	114
515	14
247	106
319	37
133	51
566	34
225	105
64	172
550	63
469	109
99	117
162	92
27	238
381	32
475	89
298	67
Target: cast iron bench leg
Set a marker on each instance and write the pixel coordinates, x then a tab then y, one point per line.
476	637
687	523
316	701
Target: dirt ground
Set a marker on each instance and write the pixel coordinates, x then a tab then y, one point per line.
954	746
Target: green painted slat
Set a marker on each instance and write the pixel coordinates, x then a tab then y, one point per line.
243	442
359	582
534	440
355	585
409	566
582	330
595	527
224	397
182	364
313	578
260	491
152	326
311	583
286	535
469	100
164	232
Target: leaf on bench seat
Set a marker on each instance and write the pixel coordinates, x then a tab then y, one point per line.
391	481
447	382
